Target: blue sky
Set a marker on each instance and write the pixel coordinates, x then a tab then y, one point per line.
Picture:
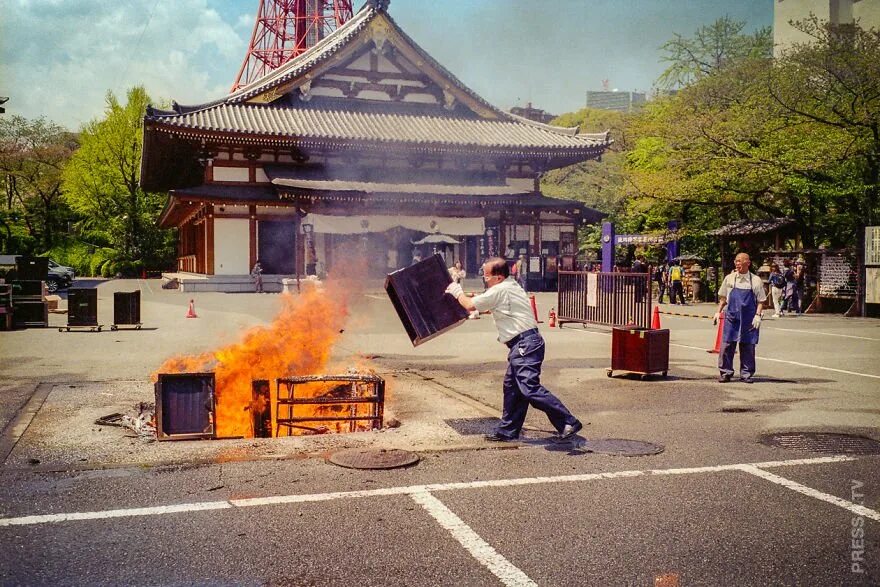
60	57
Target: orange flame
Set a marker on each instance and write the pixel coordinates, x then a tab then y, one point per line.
298	342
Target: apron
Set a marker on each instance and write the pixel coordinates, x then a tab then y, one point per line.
742	305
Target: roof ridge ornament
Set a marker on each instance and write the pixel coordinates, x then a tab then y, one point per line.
379	5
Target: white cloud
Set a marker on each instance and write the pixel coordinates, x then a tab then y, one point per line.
59	58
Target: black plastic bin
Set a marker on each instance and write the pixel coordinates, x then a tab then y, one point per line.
418	295
82	308
126	309
184	406
30	314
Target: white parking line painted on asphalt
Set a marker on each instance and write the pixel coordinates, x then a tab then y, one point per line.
809	491
403	490
687	346
823	333
472	542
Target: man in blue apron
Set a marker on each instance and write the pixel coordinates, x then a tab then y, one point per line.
741	296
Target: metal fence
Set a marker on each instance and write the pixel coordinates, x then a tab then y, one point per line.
612	299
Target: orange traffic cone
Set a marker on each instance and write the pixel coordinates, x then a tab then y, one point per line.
535	308
655	319
717	348
191	313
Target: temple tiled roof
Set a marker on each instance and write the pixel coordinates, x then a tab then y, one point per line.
750	227
412	129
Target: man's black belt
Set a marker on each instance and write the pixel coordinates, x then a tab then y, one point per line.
520	336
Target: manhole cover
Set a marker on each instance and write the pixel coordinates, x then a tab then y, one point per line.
621	447
824	443
373	458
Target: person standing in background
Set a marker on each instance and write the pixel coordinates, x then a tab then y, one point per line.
777	289
257	274
661	276
456	272
789	300
800	277
522	270
676	285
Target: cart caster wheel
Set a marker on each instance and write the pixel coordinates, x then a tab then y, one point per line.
99	329
643	377
138	327
608	372
114	328
68	329
61	330
663	374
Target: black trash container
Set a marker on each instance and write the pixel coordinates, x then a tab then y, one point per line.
82	307
418	295
126	309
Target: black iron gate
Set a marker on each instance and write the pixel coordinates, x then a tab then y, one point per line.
612	299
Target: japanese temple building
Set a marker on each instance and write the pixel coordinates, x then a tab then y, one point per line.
362	147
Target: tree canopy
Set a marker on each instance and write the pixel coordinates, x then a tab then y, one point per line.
32	156
101	184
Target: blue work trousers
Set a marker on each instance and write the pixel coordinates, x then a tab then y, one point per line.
522	388
746	359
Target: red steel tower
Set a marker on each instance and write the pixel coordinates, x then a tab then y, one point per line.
286	28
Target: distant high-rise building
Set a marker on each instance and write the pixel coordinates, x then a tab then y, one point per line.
614	100
865	12
531	113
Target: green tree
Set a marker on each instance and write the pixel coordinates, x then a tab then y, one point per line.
101	183
598	183
712	48
32	156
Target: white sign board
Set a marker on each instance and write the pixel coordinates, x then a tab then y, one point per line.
592	289
872	245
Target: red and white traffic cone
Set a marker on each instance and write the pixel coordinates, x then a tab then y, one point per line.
191	313
717	348
655	319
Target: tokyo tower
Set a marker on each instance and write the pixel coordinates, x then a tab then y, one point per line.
286	28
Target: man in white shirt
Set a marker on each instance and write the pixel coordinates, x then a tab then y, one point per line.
518	330
743	296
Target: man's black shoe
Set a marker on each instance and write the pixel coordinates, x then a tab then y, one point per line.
570	430
723	378
495	437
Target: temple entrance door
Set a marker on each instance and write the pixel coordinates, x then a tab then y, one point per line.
276	247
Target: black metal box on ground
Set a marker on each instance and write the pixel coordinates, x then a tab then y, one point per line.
82	307
31	268
185	406
127	307
639	350
418	295
28	289
30	314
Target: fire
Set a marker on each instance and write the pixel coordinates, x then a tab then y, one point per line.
297	342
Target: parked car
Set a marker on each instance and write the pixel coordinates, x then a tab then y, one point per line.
62	270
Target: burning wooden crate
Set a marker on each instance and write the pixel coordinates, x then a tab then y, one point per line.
321	404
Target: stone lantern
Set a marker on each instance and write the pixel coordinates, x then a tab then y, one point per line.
694	272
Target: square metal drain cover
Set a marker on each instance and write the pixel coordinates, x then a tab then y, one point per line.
823	443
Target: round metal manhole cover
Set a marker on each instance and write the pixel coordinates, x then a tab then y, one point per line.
373	458
622	447
823	443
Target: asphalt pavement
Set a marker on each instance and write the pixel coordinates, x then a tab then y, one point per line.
83	504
